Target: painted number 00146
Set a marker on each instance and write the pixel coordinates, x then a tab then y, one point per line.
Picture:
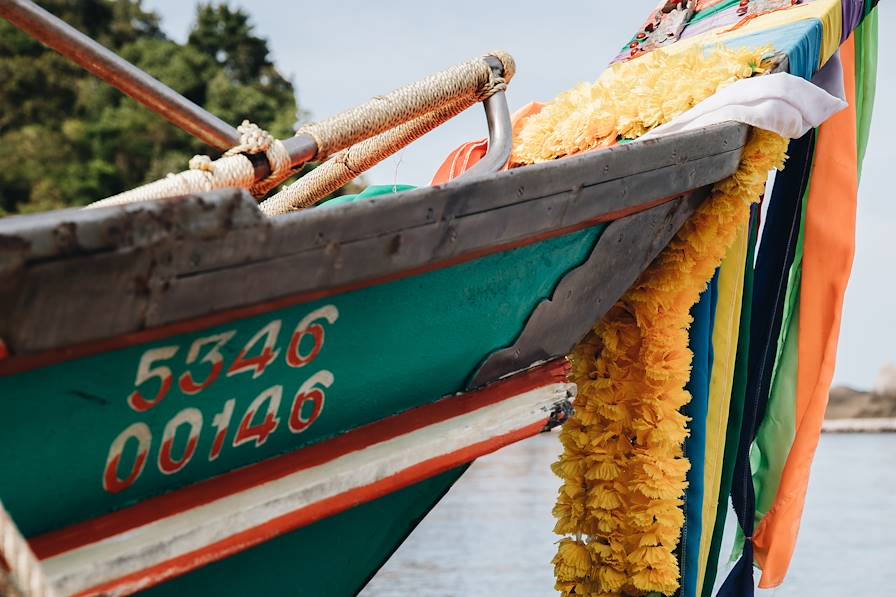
307	405
204	364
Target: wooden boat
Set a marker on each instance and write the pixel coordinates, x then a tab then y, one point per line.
199	399
203	385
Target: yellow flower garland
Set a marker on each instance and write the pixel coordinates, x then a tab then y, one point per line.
629	99
623	469
624	473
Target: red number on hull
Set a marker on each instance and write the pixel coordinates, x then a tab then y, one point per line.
112	483
257	364
248	432
168	464
146	372
306	328
214	358
309	392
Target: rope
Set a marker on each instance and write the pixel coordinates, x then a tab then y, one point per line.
25	572
448	92
350	163
254	139
233	169
474	78
204	175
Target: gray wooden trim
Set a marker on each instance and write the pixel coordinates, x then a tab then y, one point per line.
585	294
74	276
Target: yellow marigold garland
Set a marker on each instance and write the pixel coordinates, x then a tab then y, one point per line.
623	469
629	99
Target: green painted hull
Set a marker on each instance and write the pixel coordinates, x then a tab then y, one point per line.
333	557
388	348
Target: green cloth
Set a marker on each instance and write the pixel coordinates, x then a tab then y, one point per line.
735	416
376	190
866	81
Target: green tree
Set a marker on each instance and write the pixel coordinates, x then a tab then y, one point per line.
67	139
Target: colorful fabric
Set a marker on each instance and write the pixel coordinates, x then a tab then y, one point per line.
779	102
827	261
701	346
866	80
648	466
724	344
853	11
774	435
735	409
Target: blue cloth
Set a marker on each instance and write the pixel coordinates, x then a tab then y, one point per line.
800	41
695	445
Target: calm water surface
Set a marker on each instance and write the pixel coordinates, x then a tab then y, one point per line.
491	535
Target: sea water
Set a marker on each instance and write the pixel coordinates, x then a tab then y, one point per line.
491	534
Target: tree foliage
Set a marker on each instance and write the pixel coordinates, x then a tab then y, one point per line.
67	138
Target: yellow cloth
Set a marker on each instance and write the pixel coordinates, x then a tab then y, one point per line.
724	347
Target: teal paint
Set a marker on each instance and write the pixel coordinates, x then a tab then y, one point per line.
393	347
335	557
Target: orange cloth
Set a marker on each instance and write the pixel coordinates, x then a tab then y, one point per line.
465	157
827	260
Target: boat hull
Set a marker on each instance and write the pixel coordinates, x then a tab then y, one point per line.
199	382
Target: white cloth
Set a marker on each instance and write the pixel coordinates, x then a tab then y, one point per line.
780	102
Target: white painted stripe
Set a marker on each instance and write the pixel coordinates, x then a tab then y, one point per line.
168	538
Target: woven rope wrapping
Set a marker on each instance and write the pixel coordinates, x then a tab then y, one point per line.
26	573
204	175
234	169
448	92
350	163
254	139
473	78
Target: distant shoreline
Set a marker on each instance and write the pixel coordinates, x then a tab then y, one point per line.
860	425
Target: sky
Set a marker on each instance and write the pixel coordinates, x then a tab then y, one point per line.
341	53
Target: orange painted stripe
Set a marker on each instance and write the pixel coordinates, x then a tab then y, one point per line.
204	492
17	364
829	246
308	515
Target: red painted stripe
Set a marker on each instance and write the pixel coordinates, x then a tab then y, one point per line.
16	364
96	529
304	516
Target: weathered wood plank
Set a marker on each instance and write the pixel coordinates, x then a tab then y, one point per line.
353	261
306	230
105	272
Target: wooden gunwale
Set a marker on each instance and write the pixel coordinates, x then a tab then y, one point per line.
247	264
